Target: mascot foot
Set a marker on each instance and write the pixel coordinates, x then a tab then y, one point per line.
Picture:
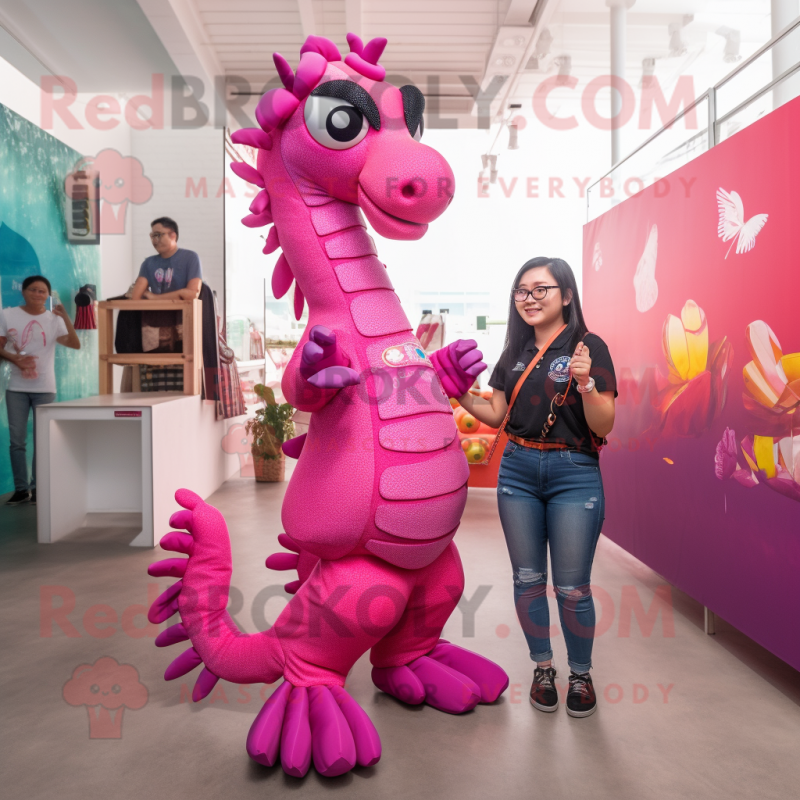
491	678
449	678
320	722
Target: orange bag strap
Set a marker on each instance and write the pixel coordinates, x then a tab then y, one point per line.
536	359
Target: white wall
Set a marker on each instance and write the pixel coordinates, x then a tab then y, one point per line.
23	96
168	156
172	159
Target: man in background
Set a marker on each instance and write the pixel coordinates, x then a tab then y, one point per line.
174	273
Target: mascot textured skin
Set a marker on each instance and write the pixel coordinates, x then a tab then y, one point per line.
380	485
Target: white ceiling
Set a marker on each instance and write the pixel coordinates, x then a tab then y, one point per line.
103	45
441	45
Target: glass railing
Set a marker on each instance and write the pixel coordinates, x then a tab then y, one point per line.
760	84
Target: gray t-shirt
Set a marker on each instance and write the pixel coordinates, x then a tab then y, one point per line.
173	273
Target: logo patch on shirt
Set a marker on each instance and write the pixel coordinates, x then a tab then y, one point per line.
559	369
519	368
159	275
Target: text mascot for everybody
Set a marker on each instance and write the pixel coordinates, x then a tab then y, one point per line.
380	485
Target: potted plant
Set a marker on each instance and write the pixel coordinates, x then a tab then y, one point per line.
271	426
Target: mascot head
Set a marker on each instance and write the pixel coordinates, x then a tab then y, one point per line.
343	132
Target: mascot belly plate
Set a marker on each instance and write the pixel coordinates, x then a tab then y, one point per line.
378	492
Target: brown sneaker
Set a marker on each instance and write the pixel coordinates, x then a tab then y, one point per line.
543	689
581	699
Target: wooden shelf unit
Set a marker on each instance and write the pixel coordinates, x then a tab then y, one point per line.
191	358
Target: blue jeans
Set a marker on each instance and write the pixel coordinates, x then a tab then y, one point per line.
553	496
19	405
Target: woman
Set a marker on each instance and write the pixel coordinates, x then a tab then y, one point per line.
549	486
28	336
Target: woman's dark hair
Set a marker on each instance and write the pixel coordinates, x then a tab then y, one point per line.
167	222
33	278
519	332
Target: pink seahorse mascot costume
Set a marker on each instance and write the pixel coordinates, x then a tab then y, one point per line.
380	485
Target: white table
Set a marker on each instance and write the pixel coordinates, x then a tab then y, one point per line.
125	453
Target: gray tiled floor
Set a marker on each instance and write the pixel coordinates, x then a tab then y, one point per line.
728	727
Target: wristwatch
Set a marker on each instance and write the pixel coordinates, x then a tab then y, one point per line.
588	388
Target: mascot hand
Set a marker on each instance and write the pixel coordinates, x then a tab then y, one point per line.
323	364
299	559
458	365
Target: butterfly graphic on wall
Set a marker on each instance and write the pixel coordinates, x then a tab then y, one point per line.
732	224
597	256
644	280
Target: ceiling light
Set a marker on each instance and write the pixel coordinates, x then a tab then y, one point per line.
505	61
733	41
513	41
543	43
513	140
676	45
648	69
564	64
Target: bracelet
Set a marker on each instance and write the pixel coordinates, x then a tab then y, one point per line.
588	388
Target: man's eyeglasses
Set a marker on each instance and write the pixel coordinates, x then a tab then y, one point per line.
538	293
157	236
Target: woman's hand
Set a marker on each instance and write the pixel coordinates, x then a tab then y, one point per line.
25	362
581	364
71	340
597	406
492	413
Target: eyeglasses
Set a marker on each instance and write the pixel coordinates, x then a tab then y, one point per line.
156	236
538	293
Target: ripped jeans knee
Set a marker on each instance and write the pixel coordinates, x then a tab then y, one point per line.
577	609
532	582
574	593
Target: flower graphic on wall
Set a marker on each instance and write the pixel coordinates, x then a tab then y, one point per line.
698	374
770	460
726	461
772	378
732	224
772	396
644	279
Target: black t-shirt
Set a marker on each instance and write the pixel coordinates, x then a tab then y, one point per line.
548	378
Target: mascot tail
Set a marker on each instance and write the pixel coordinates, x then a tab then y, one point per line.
201	598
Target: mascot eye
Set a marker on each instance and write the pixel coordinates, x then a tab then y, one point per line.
334	123
94	688
116	688
119	183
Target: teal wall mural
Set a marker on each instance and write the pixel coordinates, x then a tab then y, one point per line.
33	240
